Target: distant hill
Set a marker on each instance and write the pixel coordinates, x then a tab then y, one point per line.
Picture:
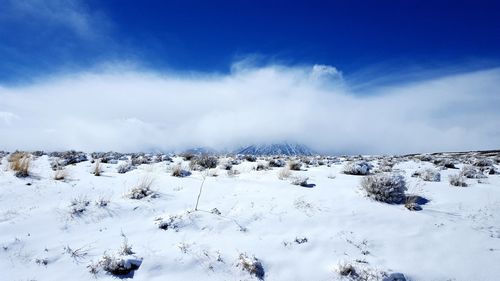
276	149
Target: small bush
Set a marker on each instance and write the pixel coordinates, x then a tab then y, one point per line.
60	174
360	272
117	265
261	167
457	180
97	170
471	172
278	163
250	158
177	171
20	163
357	168
252	266
302	181
295	165
387	188
428	175
125	167
232	172
484	162
142	190
174	222
203	162
78	206
284	173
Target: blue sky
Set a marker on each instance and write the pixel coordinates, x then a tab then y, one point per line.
338	76
43	37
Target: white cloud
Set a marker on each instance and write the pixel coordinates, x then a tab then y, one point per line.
139	110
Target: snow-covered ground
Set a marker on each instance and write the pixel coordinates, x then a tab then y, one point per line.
295	232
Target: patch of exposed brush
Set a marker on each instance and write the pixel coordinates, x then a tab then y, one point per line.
261	167
428	175
97	169
142	189
202	162
178	171
173	222
60	174
284	173
251	265
121	264
20	163
78	207
457	180
295	165
301	181
359	271
472	172
125	167
277	163
358	168
387	188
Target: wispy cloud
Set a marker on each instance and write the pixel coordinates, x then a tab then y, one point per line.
136	110
71	15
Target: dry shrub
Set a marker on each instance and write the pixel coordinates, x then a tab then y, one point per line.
125	167
457	180
97	170
252	266
471	172
60	174
177	171
284	173
428	175
357	168
203	162
295	165
143	189
20	163
387	188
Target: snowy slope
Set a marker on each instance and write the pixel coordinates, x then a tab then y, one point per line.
276	149
455	237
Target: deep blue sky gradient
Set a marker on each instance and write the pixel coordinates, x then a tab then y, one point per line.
208	36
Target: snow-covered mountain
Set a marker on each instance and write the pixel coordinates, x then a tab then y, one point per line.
276	149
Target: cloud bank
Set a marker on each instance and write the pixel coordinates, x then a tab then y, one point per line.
137	110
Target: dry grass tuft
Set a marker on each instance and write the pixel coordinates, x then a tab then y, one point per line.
20	163
97	170
284	173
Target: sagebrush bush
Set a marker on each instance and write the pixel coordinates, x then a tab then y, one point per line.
60	174
428	175
261	167
278	163
142	190
252	266
78	206
387	188
295	165
284	173
203	162
457	180
357	168
20	163
177	171
125	167
250	158
471	172
302	181
122	263
97	170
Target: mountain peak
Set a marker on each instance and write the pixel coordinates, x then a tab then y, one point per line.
276	149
